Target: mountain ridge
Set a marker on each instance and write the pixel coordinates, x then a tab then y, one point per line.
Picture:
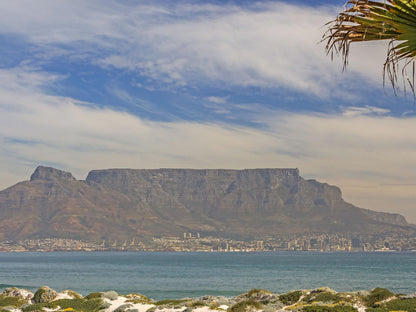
125	203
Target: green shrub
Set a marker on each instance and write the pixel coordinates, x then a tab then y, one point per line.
16	302
84	305
137	298
323	297
139	301
337	308
94	295
255	291
408	305
34	307
214	307
376	295
291	297
243	305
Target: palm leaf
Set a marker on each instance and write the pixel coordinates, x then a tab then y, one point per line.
365	20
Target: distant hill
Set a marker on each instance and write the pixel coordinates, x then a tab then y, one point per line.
126	203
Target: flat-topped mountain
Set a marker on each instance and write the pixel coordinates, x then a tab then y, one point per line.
126	203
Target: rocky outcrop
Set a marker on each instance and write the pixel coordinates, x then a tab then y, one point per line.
51	174
17	293
44	295
124	203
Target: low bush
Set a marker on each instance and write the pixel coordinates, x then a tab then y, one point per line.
408	305
255	291
291	297
377	295
137	298
84	305
34	307
244	305
16	302
336	308
323	297
94	295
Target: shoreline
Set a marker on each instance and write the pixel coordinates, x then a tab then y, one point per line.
322	299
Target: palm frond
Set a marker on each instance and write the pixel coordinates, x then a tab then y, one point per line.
365	20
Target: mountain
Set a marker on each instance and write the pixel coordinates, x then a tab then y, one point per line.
126	203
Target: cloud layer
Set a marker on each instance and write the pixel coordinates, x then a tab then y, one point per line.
267	45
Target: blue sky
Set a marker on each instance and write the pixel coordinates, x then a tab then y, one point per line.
200	84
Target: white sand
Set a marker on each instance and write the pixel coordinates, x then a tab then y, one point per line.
142	307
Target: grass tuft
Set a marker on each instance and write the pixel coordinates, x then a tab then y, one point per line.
245	305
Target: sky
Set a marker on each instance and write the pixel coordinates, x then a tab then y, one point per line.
201	84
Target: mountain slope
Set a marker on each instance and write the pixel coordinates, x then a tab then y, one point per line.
126	203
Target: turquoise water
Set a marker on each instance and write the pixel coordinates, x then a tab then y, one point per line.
163	275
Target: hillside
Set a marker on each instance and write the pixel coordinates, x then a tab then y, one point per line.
126	203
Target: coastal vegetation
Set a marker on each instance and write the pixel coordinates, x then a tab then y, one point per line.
291	297
377	295
324	296
322	299
137	298
243	306
6	301
336	308
84	305
400	304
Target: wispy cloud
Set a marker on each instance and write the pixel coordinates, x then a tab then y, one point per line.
268	45
367	110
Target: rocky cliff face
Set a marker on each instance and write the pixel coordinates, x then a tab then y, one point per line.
124	203
50	174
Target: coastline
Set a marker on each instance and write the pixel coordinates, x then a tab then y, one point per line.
321	299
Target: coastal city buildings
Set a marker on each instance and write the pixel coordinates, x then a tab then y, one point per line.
197	242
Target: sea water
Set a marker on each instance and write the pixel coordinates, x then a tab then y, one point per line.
162	275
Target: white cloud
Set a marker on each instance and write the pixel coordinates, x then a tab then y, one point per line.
218	99
367	110
268	45
363	154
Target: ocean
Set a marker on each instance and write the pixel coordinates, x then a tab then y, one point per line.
163	275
